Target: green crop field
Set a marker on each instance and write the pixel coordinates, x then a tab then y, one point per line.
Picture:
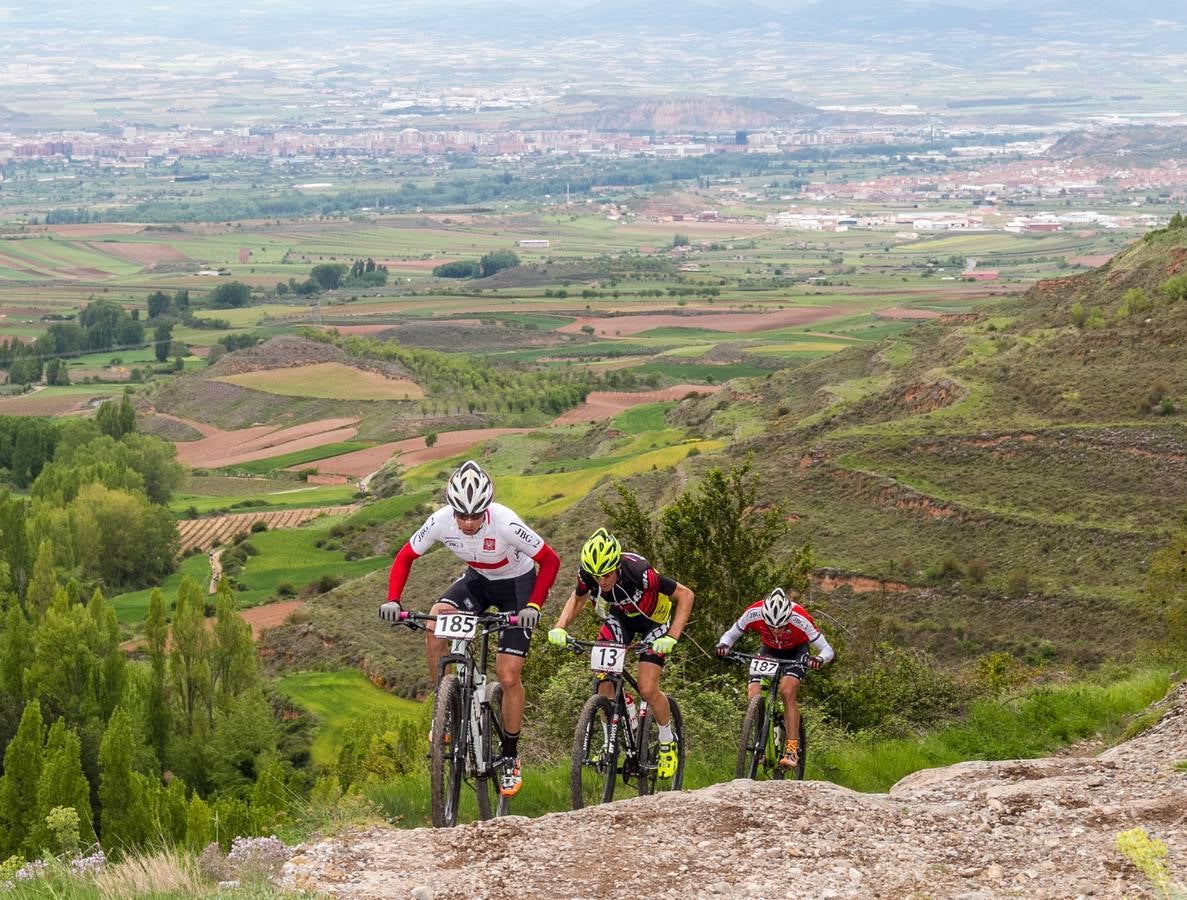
339	700
329	381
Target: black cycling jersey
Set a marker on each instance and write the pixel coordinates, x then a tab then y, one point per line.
640	590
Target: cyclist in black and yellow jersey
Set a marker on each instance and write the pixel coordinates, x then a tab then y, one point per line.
634	602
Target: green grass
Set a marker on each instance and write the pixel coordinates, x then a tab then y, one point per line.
298	457
1042	721
294	495
339	699
642	419
289	556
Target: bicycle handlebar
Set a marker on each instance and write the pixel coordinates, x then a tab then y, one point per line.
420	620
575	645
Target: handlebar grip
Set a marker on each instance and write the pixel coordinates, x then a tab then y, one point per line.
513	620
403	616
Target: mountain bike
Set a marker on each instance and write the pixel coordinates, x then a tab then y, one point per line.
614	738
764	730
467	720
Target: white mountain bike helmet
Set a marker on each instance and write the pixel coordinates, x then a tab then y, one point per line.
469	490
776	608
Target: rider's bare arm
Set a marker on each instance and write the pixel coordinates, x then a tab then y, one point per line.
682	597
571	610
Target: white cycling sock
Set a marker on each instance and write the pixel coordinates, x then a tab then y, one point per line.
666	735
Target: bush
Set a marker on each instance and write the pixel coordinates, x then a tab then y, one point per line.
286	589
894	691
1017	583
257	527
976	569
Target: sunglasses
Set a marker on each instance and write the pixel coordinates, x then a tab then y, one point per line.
468	518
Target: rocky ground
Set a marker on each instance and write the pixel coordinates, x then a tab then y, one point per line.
1033	828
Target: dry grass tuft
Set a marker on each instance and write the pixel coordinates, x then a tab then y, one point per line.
164	872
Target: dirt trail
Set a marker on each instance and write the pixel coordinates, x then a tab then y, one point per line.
1035	828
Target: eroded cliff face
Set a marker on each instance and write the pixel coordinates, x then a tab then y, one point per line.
1024	828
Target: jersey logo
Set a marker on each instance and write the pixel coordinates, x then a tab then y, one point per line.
488	543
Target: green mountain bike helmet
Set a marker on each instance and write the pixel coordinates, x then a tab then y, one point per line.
601	553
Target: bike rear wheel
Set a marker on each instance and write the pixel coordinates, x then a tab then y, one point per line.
447	759
803	763
753	744
594	769
649	780
490	801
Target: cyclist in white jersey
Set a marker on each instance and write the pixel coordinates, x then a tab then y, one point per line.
501	555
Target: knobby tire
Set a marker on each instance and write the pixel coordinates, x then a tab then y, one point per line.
649	780
447	759
753	743
593	761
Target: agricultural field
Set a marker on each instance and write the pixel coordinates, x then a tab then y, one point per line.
211	531
332	381
340	700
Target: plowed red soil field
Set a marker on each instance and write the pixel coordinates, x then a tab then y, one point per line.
226	448
723	321
412	451
600	405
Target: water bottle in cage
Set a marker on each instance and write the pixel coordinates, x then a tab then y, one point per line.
631	711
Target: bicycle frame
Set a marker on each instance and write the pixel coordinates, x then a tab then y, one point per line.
465	747
772	725
480	760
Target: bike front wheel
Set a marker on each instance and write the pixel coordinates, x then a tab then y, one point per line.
753	745
594	769
447	758
649	779
490	800
802	765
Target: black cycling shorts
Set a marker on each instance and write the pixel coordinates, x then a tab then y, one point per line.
795	660
625	630
475	593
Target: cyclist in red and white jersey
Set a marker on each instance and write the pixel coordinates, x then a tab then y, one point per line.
787	633
501	554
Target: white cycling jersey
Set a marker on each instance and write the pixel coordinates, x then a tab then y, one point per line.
502	548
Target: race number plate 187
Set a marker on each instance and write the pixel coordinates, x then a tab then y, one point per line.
607	658
456	626
764	668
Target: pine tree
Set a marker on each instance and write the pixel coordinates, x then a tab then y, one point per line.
233	658
188	660
63	671
18	787
111	672
199	824
43	585
118	803
16	651
61	784
156	633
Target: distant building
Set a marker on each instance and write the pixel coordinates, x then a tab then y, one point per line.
532	244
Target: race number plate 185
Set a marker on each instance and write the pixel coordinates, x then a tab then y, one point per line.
456	626
764	668
607	658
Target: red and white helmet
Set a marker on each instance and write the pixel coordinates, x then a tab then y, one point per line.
469	490
776	608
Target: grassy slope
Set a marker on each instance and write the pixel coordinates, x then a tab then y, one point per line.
338	699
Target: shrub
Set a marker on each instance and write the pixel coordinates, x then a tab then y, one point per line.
1017	583
257	527
976	569
286	589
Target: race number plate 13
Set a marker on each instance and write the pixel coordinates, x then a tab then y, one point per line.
456	626
607	658
764	668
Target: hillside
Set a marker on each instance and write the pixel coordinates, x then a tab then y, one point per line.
1034	828
1004	469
